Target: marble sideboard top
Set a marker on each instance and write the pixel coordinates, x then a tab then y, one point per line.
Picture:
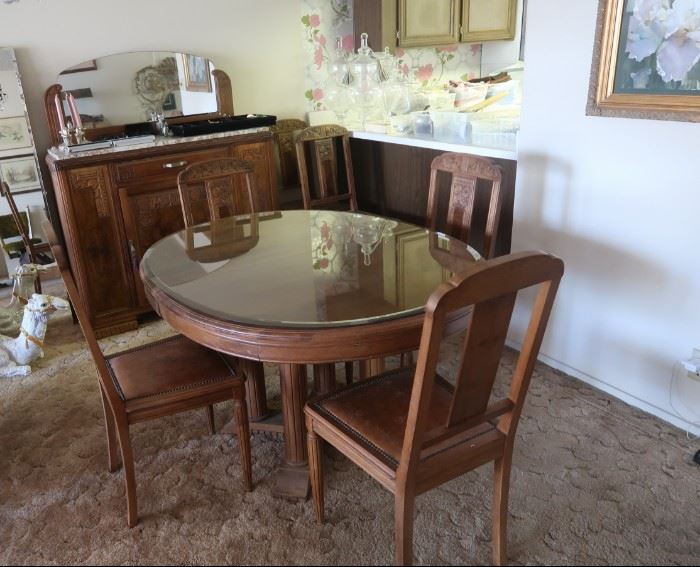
59	154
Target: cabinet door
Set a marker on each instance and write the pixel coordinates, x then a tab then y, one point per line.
487	20
94	238
260	154
148	217
428	22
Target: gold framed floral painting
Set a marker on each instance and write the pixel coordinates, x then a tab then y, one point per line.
646	60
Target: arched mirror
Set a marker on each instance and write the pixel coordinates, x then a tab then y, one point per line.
127	88
124	94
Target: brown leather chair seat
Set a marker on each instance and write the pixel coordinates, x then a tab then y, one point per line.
373	412
168	367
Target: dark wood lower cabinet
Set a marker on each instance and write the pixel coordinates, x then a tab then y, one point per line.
392	180
114	205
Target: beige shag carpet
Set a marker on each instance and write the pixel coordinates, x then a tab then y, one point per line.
594	482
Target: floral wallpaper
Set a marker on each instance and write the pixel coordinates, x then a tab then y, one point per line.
323	21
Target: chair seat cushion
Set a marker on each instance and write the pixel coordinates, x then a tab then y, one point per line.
172	365
373	413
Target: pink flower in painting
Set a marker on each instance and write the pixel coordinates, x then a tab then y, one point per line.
318	57
348	42
324	263
476	49
425	72
322	40
315	20
448	49
405	69
400	52
318	94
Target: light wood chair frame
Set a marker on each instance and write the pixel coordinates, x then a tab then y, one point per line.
315	137
210	174
118	420
431	458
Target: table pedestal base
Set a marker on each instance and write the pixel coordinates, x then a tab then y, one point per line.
292	482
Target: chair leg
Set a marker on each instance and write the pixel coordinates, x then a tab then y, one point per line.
403	529
240	413
349	372
210	420
406	360
129	476
315	449
72	312
501	487
112	444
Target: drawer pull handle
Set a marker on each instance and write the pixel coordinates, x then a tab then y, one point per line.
174	164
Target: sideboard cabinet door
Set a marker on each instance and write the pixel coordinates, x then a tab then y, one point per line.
95	242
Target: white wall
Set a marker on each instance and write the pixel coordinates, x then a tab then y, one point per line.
255	41
618	200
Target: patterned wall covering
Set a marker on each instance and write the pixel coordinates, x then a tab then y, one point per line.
325	20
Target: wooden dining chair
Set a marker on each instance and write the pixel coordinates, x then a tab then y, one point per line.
34	248
412	430
325	168
466	172
162	378
215	189
327	182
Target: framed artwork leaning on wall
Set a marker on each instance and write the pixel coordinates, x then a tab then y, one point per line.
646	60
20	174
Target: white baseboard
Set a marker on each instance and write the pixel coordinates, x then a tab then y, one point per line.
626	397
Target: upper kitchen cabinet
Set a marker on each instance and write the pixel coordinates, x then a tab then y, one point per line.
488	20
428	22
421	23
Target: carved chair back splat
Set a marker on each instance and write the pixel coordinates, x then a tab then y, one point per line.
466	171
283	133
216	189
324	183
448	430
151	381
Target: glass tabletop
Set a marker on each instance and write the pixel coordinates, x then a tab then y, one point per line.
304	269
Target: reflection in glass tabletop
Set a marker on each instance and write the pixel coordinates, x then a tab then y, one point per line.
304	268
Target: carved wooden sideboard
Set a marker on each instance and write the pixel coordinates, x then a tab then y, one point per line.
114	204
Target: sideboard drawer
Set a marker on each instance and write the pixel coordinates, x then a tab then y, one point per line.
169	166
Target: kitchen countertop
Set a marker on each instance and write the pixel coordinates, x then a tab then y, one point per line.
432	144
58	154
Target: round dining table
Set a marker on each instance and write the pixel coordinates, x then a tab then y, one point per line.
298	288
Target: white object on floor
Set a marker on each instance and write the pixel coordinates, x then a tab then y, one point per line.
22	288
17	354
